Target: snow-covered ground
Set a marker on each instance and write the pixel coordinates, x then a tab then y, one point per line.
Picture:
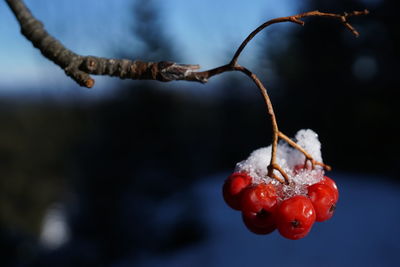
364	231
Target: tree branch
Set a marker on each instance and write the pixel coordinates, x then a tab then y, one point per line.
297	19
80	67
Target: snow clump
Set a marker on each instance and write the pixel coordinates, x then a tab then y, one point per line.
287	158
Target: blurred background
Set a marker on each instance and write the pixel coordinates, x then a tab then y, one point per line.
130	173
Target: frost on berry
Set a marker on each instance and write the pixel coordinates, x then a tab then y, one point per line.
287	158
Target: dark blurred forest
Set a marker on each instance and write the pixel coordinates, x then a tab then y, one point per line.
123	167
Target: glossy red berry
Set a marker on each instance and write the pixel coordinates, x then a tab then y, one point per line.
323	199
329	182
261	223
233	187
259	197
295	217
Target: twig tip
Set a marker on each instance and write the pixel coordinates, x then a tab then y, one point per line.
89	83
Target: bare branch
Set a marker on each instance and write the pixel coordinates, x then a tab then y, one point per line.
80	67
297	19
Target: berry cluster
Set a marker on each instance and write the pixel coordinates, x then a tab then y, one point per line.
267	206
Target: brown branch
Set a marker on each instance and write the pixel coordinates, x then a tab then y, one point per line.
79	67
297	19
270	110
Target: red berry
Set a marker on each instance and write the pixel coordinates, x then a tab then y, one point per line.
300	167
261	223
233	187
329	182
295	217
259	197
323	198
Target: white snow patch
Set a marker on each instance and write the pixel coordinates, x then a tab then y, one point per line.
287	158
55	230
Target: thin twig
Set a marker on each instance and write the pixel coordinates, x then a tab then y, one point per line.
270	110
307	155
297	19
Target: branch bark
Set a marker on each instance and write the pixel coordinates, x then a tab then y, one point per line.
80	67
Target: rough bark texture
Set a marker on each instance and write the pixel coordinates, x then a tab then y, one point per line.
79	67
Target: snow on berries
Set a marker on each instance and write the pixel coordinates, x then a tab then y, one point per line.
267	204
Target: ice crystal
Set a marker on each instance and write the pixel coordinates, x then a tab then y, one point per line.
287	158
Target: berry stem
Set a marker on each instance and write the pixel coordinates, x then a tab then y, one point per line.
307	155
275	131
234	66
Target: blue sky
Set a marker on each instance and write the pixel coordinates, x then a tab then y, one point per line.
203	31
